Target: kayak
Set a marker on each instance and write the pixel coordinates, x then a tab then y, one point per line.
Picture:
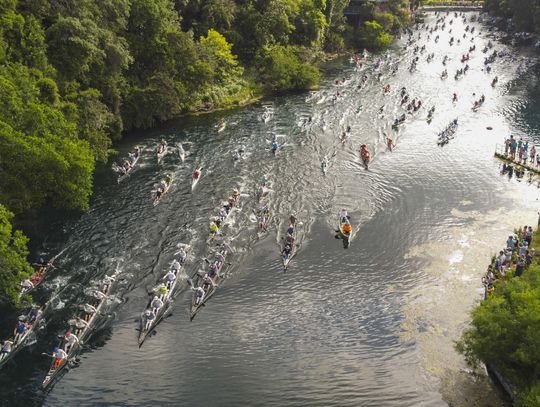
123	174
264	216
195	181
148	324
346	237
40	273
83	333
267	115
181	152
365	158
221	126
324	165
162	154
157	199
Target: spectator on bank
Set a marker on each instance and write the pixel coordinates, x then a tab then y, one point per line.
510	244
519	267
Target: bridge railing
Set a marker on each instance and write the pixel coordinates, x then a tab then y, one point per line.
460	4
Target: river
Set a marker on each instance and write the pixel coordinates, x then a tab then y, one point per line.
372	325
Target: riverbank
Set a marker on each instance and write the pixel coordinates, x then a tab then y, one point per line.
501	326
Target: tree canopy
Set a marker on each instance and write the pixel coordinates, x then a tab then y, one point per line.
76	74
13	252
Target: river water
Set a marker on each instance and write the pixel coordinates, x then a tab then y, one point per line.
372	325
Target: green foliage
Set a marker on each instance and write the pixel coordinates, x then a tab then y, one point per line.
13	252
94	121
73	46
525	14
47	161
530	398
282	70
504	332
388	21
75	74
372	35
216	52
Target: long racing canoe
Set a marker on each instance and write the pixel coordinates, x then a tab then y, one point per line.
82	327
166	292
26	326
205	286
288	250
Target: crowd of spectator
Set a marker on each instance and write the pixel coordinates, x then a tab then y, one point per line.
517	255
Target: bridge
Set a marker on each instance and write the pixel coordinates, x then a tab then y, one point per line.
354	10
453	6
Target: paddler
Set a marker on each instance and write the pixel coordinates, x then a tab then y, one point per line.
89	311
35	313
222	213
156	304
6	349
196	174
364	152
275	146
59	356
169	277
159	192
199	294
27	285
344	215
287	251
390	143
347	229
71	339
100	296
161	290
149	317
212	273
181	255
175	265
209	281
20	329
214	229
79	324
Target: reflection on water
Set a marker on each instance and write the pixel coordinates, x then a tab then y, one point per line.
372	325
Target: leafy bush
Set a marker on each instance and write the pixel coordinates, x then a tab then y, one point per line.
282	70
504	333
372	35
13	252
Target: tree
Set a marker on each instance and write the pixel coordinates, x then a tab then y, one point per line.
504	332
283	71
73	47
335	16
309	24
13	252
42	158
372	35
94	121
217	53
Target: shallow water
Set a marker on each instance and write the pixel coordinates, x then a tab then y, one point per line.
372	325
